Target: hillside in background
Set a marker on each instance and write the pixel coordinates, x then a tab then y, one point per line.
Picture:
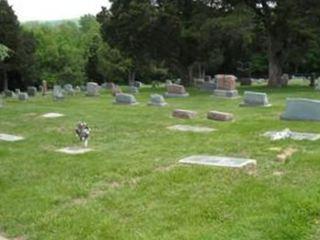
51	22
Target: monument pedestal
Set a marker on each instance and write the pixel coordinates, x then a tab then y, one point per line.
176	95
226	93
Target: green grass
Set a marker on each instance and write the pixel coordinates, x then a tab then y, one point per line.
131	186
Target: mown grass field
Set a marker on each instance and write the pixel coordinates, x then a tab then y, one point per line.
132	187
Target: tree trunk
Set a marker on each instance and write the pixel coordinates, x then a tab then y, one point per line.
131	78
5	80
275	68
190	75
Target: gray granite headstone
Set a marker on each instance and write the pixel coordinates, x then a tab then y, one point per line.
255	99
125	99
208	86
157	100
69	89
57	93
302	109
92	89
218	161
133	89
32	91
23	96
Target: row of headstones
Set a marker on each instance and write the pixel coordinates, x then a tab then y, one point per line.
210	84
296	108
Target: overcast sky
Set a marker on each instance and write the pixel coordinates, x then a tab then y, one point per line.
27	10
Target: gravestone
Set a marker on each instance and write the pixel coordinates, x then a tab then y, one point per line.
302	109
17	91
9	94
286	133
208	78
10	138
217	161
1	102
57	92
69	89
208	86
168	82
255	99
44	87
23	96
184	114
137	84
74	150
125	99
157	100
198	82
92	89
175	91
226	86
187	128
246	81
116	90
133	90
52	115
220	116
32	91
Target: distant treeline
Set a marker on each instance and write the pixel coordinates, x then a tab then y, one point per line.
160	39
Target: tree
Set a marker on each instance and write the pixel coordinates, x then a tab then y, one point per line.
4	52
126	27
9	36
287	24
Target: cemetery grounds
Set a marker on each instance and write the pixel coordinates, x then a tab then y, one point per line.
132	186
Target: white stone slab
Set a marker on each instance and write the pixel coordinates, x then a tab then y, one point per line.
286	133
217	161
188	128
74	150
10	138
52	115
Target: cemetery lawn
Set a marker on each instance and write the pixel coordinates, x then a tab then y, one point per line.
132	187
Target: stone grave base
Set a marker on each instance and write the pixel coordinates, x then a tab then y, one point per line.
10	138
176	95
74	150
188	128
217	161
52	115
226	93
286	133
253	105
125	104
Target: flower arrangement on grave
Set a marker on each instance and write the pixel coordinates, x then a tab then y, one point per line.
83	132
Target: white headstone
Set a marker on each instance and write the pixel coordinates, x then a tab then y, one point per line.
10	138
74	150
187	128
217	161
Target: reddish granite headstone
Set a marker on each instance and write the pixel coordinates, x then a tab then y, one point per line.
184	114
176	89
226	82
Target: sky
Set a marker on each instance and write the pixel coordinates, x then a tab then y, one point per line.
30	10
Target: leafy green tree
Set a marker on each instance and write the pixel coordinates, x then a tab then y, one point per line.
9	36
288	26
126	26
4	52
